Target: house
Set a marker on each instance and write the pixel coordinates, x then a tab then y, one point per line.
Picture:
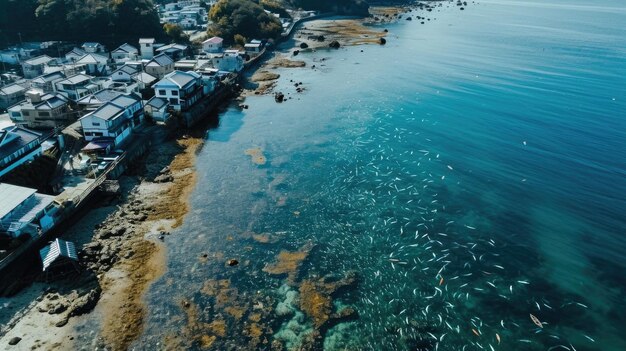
17	146
146	48
93	48
77	86
59	256
45	82
158	109
25	211
35	66
75	54
11	95
42	111
159	66
114	119
124	74
94	101
95	65
125	52
213	45
253	48
174	51
180	89
229	61
144	80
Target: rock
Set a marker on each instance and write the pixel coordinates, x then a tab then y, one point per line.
15	340
233	262
409	18
279	97
382	41
304	46
85	303
62	322
164	178
296	52
57	308
334	44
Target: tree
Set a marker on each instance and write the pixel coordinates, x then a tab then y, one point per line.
240	39
243	17
176	33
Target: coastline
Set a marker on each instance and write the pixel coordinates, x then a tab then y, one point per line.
124	250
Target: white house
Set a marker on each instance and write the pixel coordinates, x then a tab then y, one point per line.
35	66
45	82
77	86
11	95
17	146
124	74
229	61
159	66
93	101
93	48
114	119
95	65
180	89
24	211
42	110
125	52
213	45
75	54
158	109
146	48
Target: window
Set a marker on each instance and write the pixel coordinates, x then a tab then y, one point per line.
175	92
162	92
25	113
44	114
174	101
95	123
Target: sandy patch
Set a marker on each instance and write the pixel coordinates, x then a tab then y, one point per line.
256	155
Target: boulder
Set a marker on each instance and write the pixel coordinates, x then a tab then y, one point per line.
15	340
304	46
382	41
334	44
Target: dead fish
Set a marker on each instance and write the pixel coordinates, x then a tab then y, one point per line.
475	332
441	281
536	321
498	338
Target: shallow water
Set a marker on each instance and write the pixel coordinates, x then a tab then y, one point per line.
471	172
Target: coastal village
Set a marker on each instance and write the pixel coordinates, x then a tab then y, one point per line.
91	109
75	117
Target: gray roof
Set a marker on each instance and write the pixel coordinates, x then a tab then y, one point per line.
107	111
146	40
157	102
14	138
76	79
161	60
77	52
181	79
126	48
48	77
11	196
11	89
127	69
39	60
58	250
144	78
91	59
125	101
172	47
100	97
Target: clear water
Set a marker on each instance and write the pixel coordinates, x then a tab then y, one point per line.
485	148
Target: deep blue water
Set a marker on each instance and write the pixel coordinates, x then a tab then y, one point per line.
486	147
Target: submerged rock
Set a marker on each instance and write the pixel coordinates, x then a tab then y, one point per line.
334	44
233	262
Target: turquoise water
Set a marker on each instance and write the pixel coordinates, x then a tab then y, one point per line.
471	172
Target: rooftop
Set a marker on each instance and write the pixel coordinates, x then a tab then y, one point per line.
76	79
99	97
160	60
11	196
39	60
214	40
181	79
157	102
126	48
146	41
11	89
57	249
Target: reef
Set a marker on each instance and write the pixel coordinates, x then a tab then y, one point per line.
289	262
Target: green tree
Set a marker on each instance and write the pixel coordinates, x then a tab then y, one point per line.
175	33
243	17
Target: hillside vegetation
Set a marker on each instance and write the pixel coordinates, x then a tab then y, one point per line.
110	22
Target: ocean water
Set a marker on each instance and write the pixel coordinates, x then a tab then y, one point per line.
470	173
